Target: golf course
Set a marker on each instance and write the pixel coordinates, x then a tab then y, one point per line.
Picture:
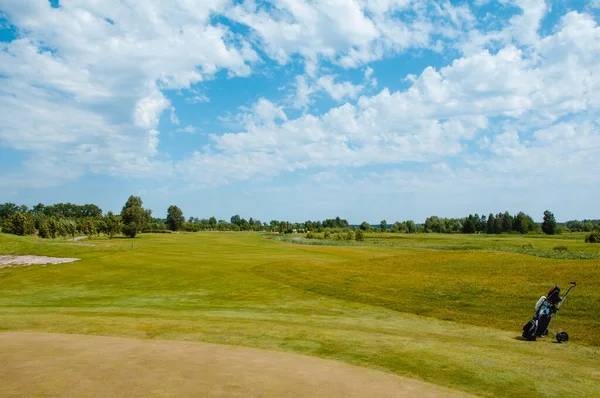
256	314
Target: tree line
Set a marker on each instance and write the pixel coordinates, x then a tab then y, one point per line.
67	219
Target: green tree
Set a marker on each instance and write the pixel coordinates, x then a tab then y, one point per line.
482	227
519	223
587	226
52	227
359	235
43	230
469	226
491	224
112	224
70	228
365	226
549	224
19	224
134	217
411	227
507	222
434	224
175	218
383	225
594	237
212	222
7	210
523	223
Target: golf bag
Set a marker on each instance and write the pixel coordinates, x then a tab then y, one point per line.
545	309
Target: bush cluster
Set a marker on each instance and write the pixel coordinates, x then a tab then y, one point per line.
594	237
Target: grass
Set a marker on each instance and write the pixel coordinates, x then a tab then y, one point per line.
570	247
451	317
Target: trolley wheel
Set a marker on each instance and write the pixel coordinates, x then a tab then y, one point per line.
562	337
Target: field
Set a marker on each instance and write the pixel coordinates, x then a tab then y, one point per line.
442	309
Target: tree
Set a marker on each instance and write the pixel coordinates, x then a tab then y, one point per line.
365	226
411	227
469	226
112	224
507	222
236	219
398	227
360	235
549	224
7	210
482	224
523	223
43	230
383	225
135	218
587	226
70	227
594	237
175	218
19	224
434	224
491	224
212	222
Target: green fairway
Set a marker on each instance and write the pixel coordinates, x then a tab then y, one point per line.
451	317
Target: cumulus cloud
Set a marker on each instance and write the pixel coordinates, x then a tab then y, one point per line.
305	89
92	74
441	113
90	80
349	33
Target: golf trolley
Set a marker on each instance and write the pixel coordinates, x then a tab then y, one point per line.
545	309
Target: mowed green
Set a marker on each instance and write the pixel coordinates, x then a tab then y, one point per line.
448	317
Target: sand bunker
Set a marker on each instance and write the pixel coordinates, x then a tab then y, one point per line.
60	365
10	261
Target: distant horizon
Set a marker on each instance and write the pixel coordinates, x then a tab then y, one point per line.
301	110
350	222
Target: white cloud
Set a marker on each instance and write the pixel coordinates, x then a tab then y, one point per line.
305	88
153	142
187	129
369	79
196	99
508	96
349	33
173	116
74	79
303	93
338	91
94	91
149	108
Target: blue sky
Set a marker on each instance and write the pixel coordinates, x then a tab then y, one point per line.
395	109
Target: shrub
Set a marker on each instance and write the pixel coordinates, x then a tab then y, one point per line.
594	237
561	248
44	231
129	230
310	235
19	224
359	236
327	235
350	235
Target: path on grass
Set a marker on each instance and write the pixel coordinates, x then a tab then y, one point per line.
48	364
